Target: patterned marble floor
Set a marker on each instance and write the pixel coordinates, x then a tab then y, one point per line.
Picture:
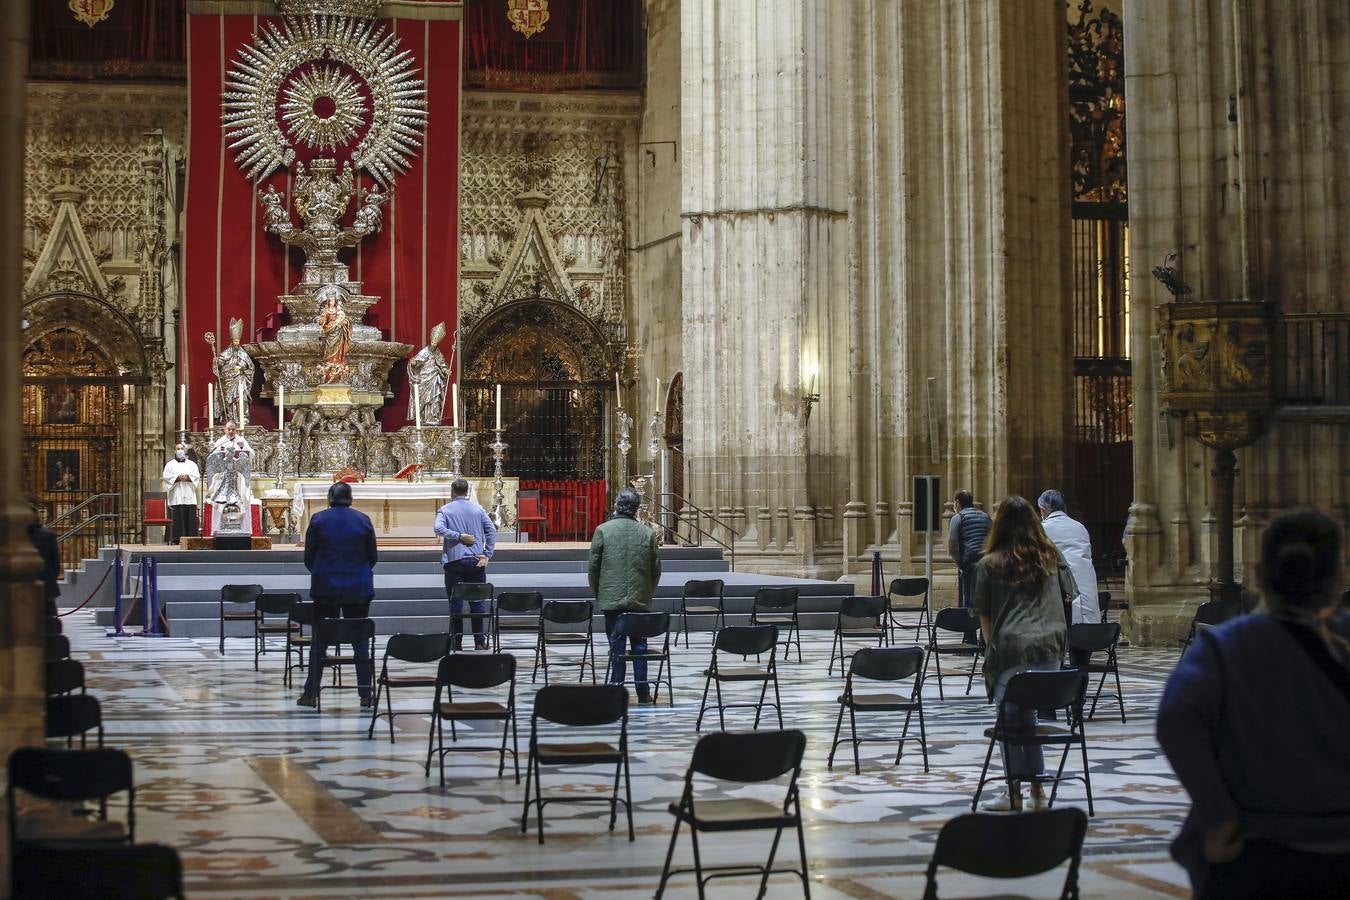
267	799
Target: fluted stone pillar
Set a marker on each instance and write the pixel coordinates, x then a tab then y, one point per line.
21	672
1236	112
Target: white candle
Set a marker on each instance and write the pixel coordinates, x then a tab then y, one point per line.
499	407
281	407
658	393
454	402
417	404
210	406
241	410
182	408
618	391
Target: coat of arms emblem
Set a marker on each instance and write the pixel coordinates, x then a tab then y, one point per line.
90	12
527	16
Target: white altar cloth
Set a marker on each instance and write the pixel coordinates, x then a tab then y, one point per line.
402	509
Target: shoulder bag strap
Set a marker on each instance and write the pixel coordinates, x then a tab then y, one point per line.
1321	657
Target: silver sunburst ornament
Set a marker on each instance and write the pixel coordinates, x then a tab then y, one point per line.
330	84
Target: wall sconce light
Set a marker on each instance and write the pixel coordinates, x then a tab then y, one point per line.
810	374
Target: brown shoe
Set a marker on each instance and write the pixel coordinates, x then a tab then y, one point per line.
307	700
366	702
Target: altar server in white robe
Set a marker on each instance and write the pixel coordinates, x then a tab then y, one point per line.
181	477
235	443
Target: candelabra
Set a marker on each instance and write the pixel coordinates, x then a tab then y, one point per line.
499	511
419	453
281	457
456	451
625	424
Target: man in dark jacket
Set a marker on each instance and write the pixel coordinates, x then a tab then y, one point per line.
623	569
965	542
340	555
43	540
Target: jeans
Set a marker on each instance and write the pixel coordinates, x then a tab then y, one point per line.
329	609
467	571
966	583
1020	761
616	645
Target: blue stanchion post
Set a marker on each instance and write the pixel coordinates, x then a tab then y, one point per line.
145	593
152	599
117	592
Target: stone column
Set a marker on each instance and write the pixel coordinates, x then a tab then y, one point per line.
21	662
1238	163
764	206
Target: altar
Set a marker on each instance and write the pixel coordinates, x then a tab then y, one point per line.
398	509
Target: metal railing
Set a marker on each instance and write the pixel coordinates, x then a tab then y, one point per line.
100	526
671	520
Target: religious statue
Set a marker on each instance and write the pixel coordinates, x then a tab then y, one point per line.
227	474
234	370
337	334
428	370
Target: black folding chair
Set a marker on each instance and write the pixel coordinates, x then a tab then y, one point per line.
579	706
238	596
962	621
56	646
778	606
409	648
900	601
472	592
744	641
53	625
473	672
860	618
645	626
1207	615
74	715
753	758
140	872
577	614
881	664
712	589
334	633
1104	604
301	615
272	604
70	777
517	612
1093	638
1064	689
999	845
64	676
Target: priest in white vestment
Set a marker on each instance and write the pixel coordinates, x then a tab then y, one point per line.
236	446
180	478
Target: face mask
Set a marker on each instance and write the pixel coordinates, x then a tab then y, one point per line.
180	455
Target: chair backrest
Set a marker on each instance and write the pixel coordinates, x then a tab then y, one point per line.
746	640
56	646
1211	612
69	775
775	598
886	663
53	625
346	631
71	715
567	612
472	592
527	504
642	624
156	505
1093	636
1035	689
276	603
520	602
143	871
862	607
418	648
475	671
748	757
956	618
703	588
240	593
302	613
1019	845
909	586
581	705
64	676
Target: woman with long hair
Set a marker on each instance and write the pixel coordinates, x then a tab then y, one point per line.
1021	584
1253	721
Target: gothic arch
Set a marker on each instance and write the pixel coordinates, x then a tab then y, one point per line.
536	340
100	321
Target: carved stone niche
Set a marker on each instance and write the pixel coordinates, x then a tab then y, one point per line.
1217	368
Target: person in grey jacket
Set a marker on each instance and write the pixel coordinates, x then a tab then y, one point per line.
624	568
965	542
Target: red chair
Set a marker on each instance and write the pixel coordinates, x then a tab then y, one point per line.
155	514
529	511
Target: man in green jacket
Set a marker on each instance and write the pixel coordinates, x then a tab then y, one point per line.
623	569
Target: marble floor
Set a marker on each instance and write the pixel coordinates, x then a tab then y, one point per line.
266	799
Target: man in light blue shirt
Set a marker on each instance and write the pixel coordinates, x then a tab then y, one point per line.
468	540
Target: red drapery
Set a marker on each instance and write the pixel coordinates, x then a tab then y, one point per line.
138	39
569	519
585	43
231	268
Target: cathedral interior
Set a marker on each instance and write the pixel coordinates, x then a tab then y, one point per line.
774	264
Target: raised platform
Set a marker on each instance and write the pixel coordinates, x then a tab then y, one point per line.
209	543
410	585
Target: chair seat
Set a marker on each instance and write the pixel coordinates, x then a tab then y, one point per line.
301	639
278	628
865	632
57	827
739	674
774	620
1048	734
331	660
734	815
566	637
958	649
585	753
238	616
409	680
646	654
879	702
517	626
702	610
900	607
477	709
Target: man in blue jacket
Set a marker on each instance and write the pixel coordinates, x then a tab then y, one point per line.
340	555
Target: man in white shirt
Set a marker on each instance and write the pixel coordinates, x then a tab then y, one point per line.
1074	544
180	477
235	444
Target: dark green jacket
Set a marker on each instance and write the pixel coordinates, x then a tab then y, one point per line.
624	566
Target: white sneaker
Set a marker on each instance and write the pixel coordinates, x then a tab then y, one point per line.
1038	800
1001	802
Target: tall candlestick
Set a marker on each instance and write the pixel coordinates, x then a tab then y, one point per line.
182	408
281	407
499	407
454	403
618	391
210	406
417	404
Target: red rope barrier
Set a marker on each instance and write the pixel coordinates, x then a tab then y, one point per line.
96	589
